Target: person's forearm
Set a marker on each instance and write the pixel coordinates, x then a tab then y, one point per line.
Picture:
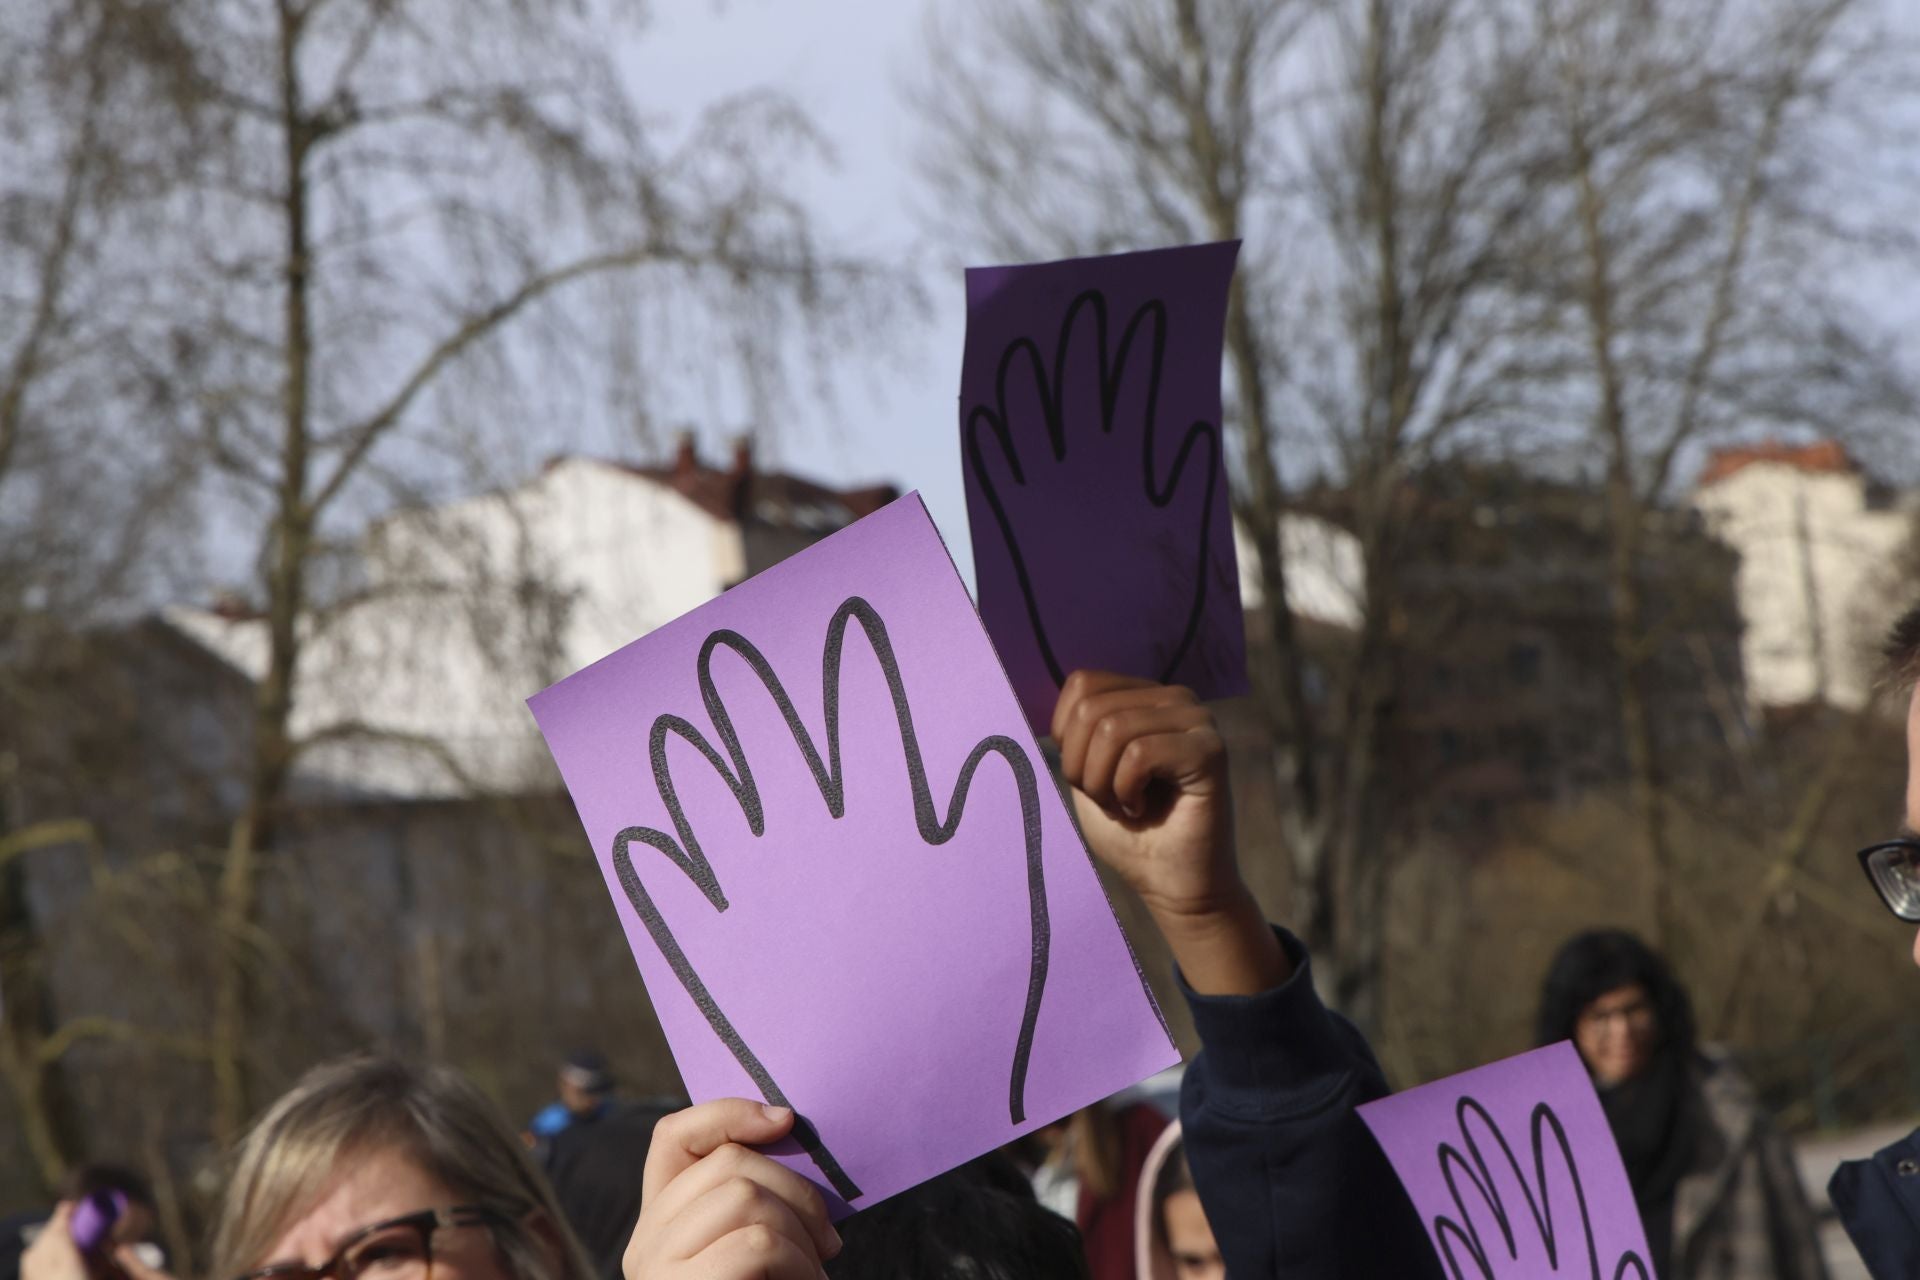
1227	951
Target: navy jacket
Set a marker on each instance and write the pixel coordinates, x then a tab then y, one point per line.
1878	1200
1293	1183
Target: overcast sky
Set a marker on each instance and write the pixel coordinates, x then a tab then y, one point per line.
894	417
843	63
896	421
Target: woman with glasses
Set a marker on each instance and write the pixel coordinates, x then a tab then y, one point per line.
371	1169
1716	1184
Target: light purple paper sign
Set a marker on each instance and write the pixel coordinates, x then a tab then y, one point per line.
1090	443
1515	1172
847	879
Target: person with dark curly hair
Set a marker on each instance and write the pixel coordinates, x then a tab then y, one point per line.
1715	1181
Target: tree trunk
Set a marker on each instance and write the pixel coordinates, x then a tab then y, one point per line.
1356	856
1645	775
291	537
1277	669
1626	514
1810	599
39	1092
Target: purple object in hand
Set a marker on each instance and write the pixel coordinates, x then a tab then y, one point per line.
93	1220
1090	445
844	872
1514	1169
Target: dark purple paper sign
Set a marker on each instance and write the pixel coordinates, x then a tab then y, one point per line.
1090	440
847	880
1515	1172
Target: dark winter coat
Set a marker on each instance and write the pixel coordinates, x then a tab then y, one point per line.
1878	1200
1293	1183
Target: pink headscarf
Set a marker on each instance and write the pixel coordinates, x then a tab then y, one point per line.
1152	1260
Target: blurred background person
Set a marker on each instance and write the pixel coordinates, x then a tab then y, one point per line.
1716	1183
373	1169
1087	1168
1172	1238
584	1084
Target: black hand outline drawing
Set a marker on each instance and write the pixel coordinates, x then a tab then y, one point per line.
1446	1231
1111	371
685	852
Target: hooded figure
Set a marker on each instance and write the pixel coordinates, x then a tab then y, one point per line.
1171	1237
1716	1183
1086	1168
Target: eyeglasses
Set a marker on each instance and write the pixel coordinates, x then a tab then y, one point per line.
1637	1015
1894	869
397	1249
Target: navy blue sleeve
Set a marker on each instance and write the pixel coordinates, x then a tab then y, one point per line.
1293	1183
1878	1201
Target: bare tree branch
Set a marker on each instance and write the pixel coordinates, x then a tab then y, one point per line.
77	1031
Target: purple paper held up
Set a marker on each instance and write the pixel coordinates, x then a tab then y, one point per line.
1514	1171
847	881
1091	448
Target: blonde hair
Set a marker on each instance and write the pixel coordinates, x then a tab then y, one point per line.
356	1107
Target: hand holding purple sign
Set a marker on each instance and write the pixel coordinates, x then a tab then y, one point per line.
860	876
1514	1171
1096	490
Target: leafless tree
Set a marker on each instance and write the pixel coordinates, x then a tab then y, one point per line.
370	237
91	505
1376	161
1706	234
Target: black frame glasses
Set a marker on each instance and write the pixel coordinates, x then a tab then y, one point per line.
343	1265
1893	868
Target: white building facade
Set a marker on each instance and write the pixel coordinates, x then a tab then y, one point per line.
414	685
1823	554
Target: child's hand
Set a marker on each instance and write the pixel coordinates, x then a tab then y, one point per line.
714	1209
1149	778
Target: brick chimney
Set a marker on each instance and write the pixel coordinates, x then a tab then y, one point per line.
686	456
740	476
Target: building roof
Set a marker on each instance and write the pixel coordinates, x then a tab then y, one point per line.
1823	457
740	491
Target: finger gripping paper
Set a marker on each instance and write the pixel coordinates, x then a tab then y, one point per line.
846	884
1091	445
